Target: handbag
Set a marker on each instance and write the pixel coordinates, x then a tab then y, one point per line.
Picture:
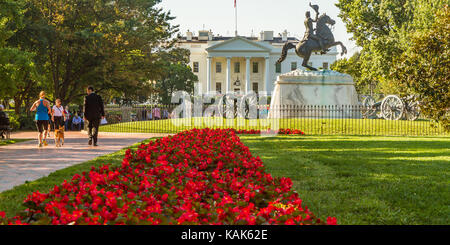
103	121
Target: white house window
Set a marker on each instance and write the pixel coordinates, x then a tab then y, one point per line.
219	87
195	66
255	67
255	87
325	65
218	67
293	66
278	67
237	67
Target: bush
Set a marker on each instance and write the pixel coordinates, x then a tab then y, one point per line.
22	122
14	121
195	177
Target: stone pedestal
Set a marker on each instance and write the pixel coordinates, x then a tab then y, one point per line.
319	94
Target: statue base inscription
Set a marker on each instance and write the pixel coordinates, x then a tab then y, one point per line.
318	94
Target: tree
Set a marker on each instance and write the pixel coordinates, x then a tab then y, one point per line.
17	70
424	68
352	66
177	75
381	28
112	45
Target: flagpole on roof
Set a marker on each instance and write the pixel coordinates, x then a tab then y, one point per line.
235	12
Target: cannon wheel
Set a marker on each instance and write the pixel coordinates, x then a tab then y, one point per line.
246	102
369	109
392	108
412	111
228	103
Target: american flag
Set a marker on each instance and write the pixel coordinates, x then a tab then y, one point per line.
235	3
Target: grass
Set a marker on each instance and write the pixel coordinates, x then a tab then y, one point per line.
364	180
11	141
11	200
309	126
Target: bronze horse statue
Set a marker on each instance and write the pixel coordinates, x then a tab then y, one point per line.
306	47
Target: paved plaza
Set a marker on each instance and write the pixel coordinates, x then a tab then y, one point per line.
24	161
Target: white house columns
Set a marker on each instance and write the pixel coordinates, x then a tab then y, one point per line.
267	75
208	74
228	81
261	76
248	86
218	59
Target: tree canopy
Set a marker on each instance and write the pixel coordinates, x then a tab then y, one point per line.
404	48
177	76
424	68
119	47
381	28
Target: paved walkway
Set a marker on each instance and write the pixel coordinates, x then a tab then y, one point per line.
25	161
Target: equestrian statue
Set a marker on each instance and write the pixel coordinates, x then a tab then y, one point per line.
314	40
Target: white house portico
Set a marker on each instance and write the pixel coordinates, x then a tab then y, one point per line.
243	64
239	54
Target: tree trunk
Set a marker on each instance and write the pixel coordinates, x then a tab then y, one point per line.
17	105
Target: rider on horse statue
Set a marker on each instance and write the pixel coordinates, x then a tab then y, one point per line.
315	40
309	33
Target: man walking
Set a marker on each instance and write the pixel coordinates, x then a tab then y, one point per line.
94	111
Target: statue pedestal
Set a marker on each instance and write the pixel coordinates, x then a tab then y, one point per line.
314	94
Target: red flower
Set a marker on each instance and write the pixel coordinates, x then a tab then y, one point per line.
210	176
331	221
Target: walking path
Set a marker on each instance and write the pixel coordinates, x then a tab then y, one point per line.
25	161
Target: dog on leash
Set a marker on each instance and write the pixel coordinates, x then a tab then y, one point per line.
59	136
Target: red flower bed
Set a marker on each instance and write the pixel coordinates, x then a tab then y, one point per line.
280	131
195	177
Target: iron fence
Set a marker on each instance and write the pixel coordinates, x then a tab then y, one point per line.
311	119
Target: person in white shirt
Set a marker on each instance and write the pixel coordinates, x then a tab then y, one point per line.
58	114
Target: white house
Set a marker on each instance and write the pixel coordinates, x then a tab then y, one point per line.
243	64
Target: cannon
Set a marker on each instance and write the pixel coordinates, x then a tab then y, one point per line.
392	107
233	105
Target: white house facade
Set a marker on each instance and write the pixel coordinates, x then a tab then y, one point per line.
243	64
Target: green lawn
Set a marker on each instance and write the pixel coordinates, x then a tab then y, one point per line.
364	180
11	200
309	126
11	141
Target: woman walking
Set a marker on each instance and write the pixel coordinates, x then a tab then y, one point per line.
58	115
42	108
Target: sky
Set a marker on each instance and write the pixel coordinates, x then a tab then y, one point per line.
254	16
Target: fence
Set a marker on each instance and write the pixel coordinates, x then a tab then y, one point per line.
313	120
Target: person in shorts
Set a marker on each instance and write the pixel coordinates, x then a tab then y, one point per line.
42	108
58	115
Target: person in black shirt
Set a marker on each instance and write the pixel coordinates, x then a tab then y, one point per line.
4	122
94	111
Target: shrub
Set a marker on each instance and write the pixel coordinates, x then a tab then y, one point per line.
280	131
21	121
13	121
